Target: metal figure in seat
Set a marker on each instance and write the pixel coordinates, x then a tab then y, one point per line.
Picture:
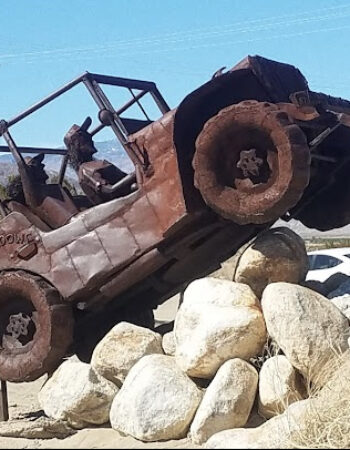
15	195
50	202
100	180
14	189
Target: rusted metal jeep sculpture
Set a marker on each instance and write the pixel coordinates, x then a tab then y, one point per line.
247	147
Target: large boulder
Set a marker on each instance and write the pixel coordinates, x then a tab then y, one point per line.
227	401
168	343
156	402
121	348
279	386
277	254
343	304
309	329
321	421
279	432
77	394
217	321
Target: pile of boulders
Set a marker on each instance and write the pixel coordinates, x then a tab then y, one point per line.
202	379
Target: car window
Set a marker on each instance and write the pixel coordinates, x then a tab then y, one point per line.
317	262
311	259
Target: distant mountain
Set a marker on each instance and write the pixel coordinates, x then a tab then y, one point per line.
6	158
110	150
7	168
114	152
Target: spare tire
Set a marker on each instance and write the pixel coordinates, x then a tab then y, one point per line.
251	162
36	327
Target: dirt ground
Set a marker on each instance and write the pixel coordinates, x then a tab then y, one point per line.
23	404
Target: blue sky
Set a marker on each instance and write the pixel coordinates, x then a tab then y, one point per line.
178	44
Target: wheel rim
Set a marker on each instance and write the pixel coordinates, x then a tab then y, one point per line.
251	163
19	331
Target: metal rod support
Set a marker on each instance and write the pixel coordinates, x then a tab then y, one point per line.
45	100
13	148
63	169
122	82
140	105
93	93
131	102
4	405
108	105
36	150
158	98
96	130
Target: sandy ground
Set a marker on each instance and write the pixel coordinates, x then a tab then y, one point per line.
23	404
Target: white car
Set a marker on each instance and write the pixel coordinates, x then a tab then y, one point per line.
324	263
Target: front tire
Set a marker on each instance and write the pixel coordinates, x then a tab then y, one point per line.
251	163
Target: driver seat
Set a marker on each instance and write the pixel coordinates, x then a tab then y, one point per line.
14	206
55	206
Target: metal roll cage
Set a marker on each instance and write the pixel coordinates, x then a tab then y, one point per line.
108	116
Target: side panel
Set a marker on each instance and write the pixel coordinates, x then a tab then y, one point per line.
20	245
162	182
111	237
118	241
81	256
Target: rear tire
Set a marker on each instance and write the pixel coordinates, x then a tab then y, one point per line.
251	163
36	327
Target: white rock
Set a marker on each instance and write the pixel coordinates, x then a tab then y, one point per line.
168	343
343	304
121	348
77	394
156	402
318	422
306	326
40	428
227	401
217	321
279	386
277	432
277	254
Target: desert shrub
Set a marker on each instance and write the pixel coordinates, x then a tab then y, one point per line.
326	422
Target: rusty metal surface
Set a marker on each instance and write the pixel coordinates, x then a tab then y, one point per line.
35	327
309	98
254	78
251	163
161	180
209	174
280	80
